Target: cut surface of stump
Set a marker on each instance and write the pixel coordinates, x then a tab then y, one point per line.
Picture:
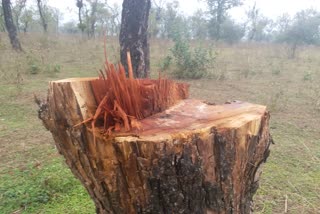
190	158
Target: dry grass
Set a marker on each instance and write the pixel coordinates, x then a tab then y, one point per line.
259	73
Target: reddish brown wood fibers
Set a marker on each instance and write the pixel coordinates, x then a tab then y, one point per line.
123	101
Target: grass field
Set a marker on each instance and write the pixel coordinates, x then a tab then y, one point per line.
34	178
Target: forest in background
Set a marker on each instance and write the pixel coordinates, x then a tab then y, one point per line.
97	17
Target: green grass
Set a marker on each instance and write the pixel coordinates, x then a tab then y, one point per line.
34	179
43	187
293	170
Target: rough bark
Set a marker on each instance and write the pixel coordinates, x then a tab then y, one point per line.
192	158
11	28
134	36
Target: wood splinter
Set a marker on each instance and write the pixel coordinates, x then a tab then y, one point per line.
123	101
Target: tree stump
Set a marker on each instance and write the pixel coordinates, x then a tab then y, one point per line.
191	158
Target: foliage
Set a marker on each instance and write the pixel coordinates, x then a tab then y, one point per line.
17	10
231	32
70	28
53	68
307	76
304	28
218	10
199	25
258	27
34	65
165	63
192	64
26	19
2	23
99	16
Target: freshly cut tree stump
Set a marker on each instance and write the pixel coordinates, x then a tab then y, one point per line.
191	158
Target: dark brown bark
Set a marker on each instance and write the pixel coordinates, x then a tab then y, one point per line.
11	28
134	36
192	158
42	16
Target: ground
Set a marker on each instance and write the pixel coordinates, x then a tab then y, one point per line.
34	178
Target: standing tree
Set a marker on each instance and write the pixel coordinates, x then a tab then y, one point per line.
54	18
114	20
231	31
26	19
156	18
81	26
199	25
134	36
259	28
2	23
41	9
173	22
17	11
253	16
93	17
304	29
90	14
11	28
218	10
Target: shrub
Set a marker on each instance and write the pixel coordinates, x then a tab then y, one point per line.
188	63
34	65
307	76
52	69
276	71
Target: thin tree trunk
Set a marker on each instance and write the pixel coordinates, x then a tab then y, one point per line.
292	50
80	5
11	28
219	20
43	19
134	36
93	18
17	13
25	27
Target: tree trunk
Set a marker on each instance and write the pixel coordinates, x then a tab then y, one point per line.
11	28
219	12
42	17
192	158
134	36
93	18
81	25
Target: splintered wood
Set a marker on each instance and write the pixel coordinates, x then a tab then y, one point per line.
123	101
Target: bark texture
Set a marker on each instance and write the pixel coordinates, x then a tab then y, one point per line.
192	158
134	36
11	28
